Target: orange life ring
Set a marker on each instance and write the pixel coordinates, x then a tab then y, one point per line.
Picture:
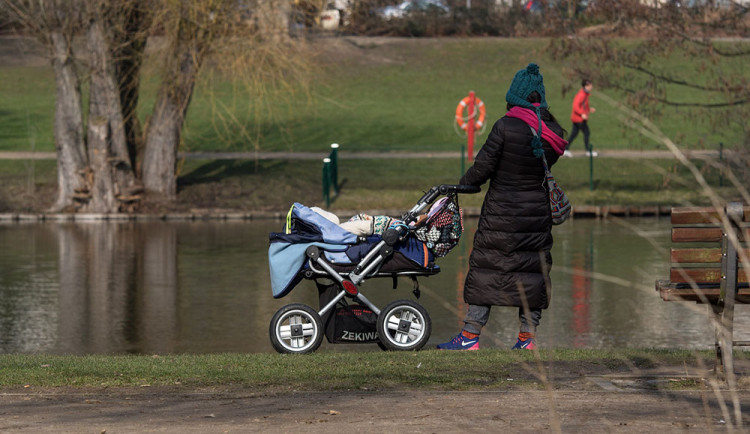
460	112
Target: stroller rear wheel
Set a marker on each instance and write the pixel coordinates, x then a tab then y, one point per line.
404	325
296	329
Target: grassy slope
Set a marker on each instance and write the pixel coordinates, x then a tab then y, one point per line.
27	101
371	94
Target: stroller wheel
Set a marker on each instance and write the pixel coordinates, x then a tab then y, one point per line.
404	325
296	329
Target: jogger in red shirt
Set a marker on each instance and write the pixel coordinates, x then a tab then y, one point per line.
579	116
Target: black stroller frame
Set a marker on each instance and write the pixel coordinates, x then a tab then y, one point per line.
402	325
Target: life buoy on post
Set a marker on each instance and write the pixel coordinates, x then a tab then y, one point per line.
478	104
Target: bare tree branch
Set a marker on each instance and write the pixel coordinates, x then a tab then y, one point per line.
708	43
671	80
680	104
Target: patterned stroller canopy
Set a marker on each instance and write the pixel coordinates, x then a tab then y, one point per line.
443	227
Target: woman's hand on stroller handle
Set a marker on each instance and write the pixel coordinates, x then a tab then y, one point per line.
433	194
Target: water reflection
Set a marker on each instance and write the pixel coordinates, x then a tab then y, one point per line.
203	287
580	294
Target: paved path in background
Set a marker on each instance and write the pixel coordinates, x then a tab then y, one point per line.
12	155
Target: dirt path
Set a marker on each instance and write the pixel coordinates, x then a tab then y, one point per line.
587	409
596	399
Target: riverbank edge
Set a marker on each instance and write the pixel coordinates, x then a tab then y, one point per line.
587	211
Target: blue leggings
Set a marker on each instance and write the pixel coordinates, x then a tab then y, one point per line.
477	317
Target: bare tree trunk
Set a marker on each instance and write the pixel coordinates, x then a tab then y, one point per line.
108	154
162	142
102	189
71	149
128	49
165	126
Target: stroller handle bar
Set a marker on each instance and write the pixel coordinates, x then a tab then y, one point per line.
446	189
433	194
463	189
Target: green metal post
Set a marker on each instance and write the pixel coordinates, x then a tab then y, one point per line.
335	167
327	181
591	169
721	168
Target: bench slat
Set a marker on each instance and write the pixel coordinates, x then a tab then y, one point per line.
695	215
702	235
669	291
702	275
698	255
692	235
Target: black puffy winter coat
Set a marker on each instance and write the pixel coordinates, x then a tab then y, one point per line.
511	254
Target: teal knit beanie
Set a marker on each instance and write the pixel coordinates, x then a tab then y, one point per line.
524	83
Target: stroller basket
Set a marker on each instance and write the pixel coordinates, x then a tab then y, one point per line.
316	248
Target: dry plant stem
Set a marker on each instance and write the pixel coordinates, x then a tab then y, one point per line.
540	371
704	396
720	400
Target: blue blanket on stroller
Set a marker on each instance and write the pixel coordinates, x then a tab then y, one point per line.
304	228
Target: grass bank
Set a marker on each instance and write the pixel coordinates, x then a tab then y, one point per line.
369	94
429	370
241	185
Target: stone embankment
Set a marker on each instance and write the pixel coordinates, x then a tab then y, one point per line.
344	155
580	212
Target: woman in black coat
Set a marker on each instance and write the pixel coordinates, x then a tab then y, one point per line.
510	262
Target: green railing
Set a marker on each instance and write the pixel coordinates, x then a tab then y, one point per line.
330	174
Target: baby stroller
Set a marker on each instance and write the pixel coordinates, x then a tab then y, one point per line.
315	248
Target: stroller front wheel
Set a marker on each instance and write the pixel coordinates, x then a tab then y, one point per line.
404	325
296	329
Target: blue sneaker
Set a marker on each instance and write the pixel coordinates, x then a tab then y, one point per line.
528	344
460	342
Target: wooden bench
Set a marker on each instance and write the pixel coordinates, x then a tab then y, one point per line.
706	267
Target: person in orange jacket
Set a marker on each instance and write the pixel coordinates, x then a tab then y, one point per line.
580	115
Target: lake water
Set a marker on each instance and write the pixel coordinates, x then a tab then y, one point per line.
203	287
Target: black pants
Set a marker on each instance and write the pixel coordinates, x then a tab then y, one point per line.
574	132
